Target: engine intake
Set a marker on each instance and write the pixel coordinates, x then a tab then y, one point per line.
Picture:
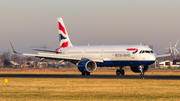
87	66
136	69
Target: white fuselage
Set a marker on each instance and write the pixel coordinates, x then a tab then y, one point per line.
115	55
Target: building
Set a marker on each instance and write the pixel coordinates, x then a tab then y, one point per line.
42	64
28	64
168	64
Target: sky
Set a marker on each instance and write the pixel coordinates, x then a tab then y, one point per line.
28	23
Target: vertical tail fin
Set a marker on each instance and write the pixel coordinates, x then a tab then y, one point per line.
63	35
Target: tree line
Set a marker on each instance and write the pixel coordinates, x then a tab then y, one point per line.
5	59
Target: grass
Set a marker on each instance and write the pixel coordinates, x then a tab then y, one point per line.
49	89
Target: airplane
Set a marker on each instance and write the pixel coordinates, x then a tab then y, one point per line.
88	58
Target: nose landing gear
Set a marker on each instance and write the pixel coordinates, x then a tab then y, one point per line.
141	69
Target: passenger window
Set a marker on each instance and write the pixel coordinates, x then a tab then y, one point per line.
145	51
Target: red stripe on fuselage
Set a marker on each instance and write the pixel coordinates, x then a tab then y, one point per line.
61	28
132	49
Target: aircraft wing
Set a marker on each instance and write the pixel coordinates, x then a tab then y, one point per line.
163	55
61	57
57	56
53	56
48	56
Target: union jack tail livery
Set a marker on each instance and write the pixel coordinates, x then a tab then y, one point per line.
63	35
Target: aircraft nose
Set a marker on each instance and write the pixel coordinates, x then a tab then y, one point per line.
152	57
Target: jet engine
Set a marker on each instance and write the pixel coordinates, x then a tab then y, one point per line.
137	69
87	66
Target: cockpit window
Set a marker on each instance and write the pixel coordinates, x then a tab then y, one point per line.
141	51
145	51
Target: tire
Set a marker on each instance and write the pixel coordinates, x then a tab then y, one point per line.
83	73
122	72
88	73
118	72
141	74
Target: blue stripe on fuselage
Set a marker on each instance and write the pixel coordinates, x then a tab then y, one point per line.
124	63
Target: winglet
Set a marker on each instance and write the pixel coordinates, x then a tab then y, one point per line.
13	49
170	49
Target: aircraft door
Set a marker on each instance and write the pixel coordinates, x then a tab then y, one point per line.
132	56
102	52
133	52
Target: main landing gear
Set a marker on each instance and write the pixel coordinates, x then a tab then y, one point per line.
120	71
88	73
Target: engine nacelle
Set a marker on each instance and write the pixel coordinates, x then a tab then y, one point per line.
136	69
87	66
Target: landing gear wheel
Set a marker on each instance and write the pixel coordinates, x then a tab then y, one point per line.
142	74
88	73
83	73
120	72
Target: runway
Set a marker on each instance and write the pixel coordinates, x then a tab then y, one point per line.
169	77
